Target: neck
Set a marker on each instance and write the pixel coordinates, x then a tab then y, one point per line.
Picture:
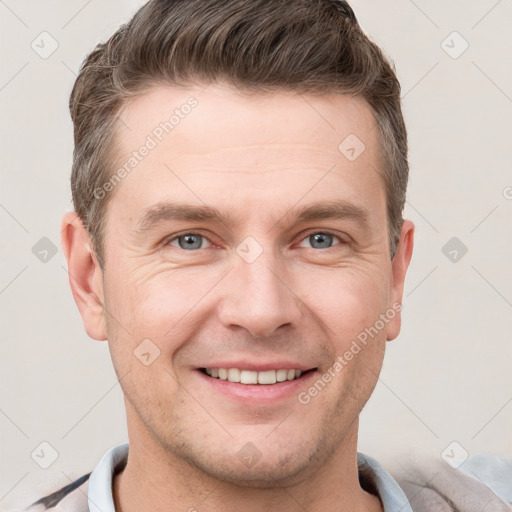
154	479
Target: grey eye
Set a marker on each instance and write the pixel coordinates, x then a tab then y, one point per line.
321	240
190	241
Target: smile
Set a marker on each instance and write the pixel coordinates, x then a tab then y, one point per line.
252	377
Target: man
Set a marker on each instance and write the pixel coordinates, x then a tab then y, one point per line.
239	177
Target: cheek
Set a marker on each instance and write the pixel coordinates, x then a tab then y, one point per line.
346	300
165	304
160	303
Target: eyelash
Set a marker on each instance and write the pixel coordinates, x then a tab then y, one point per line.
304	237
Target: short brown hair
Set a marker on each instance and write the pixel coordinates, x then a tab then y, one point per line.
304	46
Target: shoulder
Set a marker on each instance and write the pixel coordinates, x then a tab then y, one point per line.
70	498
94	487
478	483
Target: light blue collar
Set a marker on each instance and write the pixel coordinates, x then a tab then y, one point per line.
390	493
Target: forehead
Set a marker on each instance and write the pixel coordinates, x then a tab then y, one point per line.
214	144
218	115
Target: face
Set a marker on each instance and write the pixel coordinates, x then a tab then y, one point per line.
247	244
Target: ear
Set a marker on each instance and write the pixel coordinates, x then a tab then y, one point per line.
399	266
85	275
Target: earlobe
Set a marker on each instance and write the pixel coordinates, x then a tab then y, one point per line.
85	275
399	266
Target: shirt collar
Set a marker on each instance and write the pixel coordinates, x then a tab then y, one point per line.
392	496
100	498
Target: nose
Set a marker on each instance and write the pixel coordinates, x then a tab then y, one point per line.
259	297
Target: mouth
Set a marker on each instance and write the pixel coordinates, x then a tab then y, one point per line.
258	378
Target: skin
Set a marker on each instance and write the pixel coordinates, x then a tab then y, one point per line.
256	158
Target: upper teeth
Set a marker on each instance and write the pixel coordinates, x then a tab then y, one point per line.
251	377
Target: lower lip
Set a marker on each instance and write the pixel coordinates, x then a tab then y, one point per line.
260	393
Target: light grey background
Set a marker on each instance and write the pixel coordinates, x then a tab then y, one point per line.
447	378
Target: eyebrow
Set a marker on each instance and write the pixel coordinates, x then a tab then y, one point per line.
169	211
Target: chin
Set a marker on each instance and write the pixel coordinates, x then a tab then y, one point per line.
281	471
278	464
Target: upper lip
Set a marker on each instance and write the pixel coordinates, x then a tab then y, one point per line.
258	366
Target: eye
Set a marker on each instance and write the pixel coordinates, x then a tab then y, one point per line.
189	241
321	240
